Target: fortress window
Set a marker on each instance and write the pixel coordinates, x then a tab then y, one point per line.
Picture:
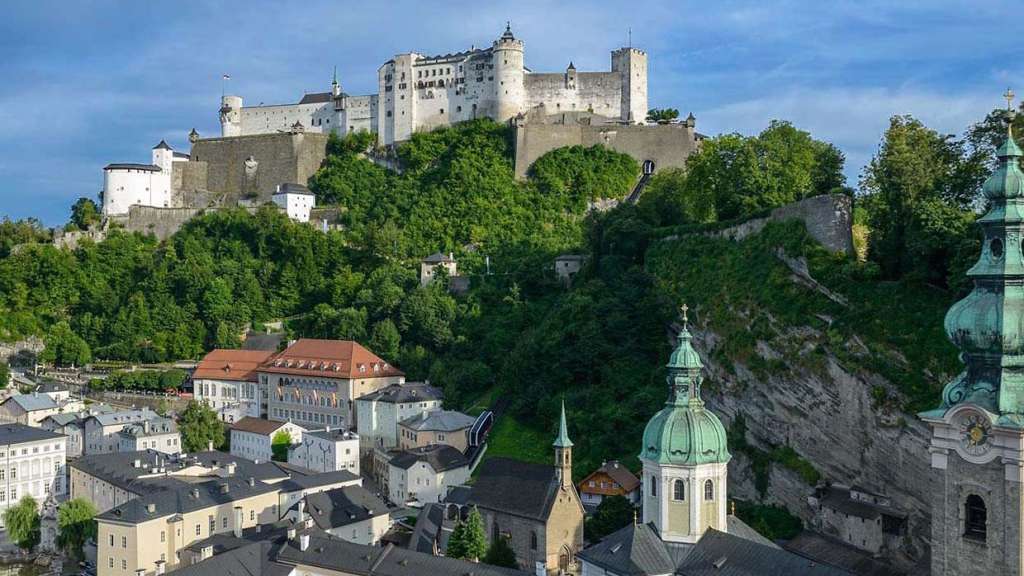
678	490
442	110
975	517
709	490
654	487
458	108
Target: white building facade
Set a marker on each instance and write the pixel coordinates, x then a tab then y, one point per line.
253	438
32	463
226	381
296	201
378	413
127	184
327	450
426	474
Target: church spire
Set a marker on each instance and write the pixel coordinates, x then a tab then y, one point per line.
563	452
563	432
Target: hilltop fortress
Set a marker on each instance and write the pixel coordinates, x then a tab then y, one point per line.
417	92
262	148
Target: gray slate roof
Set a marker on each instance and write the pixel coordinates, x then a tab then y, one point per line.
32	402
437	258
18	433
635	550
440	457
51	387
125	416
254	559
313	480
835	552
403	393
343	506
349	558
721	554
439	421
155	427
515	487
316	98
181	499
430	530
333	434
130	166
63	419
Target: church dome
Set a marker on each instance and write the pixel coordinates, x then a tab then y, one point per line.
686	435
1007	180
684	432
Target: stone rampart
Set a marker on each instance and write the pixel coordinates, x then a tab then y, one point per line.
828	218
251	167
160	222
667	145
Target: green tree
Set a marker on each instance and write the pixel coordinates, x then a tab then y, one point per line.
84	213
385	340
279	445
612	513
75	524
468	541
916	189
662	115
5	375
667	199
22	523
64	347
200	427
501	554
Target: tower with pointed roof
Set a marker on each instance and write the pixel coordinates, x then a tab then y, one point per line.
684	455
563	452
977	443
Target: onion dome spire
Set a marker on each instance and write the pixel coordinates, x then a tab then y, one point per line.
988	324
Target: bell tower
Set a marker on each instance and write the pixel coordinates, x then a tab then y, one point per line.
977	443
684	454
563	453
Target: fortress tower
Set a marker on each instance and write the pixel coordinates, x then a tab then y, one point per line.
231	116
509	93
685	455
631	65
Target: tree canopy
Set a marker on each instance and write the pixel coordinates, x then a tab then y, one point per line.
22	523
468	541
75	524
279	445
200	427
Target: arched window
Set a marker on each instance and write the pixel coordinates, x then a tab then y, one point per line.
975	517
709	490
678	490
654	486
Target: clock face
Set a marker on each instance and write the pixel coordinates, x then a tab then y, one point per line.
975	431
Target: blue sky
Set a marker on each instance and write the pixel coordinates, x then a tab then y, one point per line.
86	83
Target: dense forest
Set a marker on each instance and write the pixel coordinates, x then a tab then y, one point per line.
518	333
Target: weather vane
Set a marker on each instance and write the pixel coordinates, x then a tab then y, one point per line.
1009	95
684	309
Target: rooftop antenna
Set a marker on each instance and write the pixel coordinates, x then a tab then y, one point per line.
629	37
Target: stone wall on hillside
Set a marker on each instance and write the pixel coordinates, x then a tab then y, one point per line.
251	167
160	222
829	220
666	145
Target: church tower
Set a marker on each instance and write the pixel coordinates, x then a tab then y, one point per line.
685	455
563	453
977	443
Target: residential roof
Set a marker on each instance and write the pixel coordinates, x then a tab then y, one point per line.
635	550
62	419
570	258
835	552
405	392
343	506
441	457
333	434
231	365
293	188
299	481
162	146
458	495
154	427
18	433
431	530
130	166
515	487
252	559
330	359
438	258
181	499
257	426
32	402
721	554
124	417
262	341
364	560
316	98
838	498
439	421
46	387
617	472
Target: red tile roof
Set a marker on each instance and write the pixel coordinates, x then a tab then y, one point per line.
626	480
329	358
234	365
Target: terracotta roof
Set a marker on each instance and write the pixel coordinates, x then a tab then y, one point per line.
257	425
617	472
329	358
236	365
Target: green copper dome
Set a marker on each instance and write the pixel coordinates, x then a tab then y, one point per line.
684	432
988	324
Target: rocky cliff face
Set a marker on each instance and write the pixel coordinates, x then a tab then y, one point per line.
830	416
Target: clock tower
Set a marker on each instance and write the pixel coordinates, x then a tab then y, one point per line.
977	443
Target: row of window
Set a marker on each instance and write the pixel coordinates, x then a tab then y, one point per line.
35	469
283	414
57	487
35	450
679	489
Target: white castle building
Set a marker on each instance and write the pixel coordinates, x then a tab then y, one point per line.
143	184
417	92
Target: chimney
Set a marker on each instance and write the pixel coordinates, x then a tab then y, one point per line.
160	567
206	552
151	507
303	542
137	463
302	509
224	488
252	481
195	492
209	445
140	572
238	521
291	533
